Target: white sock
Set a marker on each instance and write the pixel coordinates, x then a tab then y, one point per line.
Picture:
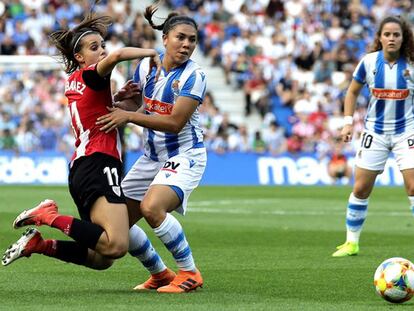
356	214
141	248
172	235
411	199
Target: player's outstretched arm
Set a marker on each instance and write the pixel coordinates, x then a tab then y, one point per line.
106	65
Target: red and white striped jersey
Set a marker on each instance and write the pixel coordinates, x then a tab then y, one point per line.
88	96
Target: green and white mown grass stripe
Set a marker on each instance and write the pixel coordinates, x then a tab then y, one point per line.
259	248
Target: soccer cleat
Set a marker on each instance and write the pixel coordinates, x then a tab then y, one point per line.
157	280
43	214
346	249
185	281
25	246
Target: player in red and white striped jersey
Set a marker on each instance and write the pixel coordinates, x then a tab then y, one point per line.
101	233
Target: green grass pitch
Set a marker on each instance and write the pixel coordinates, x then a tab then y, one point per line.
259	248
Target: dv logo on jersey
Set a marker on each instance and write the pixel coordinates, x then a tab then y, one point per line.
170	166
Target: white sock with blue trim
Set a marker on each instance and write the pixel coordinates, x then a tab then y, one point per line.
141	248
411	199
356	214
172	235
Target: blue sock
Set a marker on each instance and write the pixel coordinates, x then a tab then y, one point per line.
172	235
141	248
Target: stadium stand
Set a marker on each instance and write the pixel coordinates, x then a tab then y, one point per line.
277	70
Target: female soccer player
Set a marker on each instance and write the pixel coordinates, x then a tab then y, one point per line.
101	233
388	71
175	158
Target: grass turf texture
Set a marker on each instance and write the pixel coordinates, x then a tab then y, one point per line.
259	248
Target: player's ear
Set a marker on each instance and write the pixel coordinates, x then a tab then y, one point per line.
79	57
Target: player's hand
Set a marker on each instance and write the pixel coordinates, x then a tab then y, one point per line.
156	62
116	118
346	133
129	90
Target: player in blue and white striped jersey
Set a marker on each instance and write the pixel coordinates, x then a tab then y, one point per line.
388	71
162	180
159	99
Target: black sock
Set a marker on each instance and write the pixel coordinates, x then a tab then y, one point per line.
85	233
70	251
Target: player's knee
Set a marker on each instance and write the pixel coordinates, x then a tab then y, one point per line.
410	189
116	249
151	214
98	262
361	193
102	264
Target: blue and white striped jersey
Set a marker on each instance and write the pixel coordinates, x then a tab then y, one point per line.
390	109
187	80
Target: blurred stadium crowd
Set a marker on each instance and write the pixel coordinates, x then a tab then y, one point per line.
293	60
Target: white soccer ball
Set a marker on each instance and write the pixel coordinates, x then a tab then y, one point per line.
394	280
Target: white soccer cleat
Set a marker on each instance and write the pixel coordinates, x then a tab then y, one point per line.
24	247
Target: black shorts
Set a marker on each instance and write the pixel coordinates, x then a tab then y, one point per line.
92	177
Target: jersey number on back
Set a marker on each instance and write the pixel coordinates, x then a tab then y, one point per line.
76	121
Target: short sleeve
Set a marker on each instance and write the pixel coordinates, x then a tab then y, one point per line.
195	86
360	72
94	80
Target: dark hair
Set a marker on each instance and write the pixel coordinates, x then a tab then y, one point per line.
407	46
171	21
69	41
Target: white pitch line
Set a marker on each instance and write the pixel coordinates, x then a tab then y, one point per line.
235	202
202	207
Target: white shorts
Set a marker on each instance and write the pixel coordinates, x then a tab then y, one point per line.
183	171
375	149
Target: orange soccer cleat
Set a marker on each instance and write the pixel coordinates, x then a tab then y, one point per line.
43	214
157	280
185	281
24	247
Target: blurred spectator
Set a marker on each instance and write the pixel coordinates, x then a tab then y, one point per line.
255	90
239	140
7	141
294	144
48	136
338	167
292	59
274	138
259	145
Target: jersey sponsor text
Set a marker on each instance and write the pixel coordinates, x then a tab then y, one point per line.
390	94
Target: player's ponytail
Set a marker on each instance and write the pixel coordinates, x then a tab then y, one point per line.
172	19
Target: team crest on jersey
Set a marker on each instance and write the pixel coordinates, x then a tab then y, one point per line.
175	87
407	75
117	190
